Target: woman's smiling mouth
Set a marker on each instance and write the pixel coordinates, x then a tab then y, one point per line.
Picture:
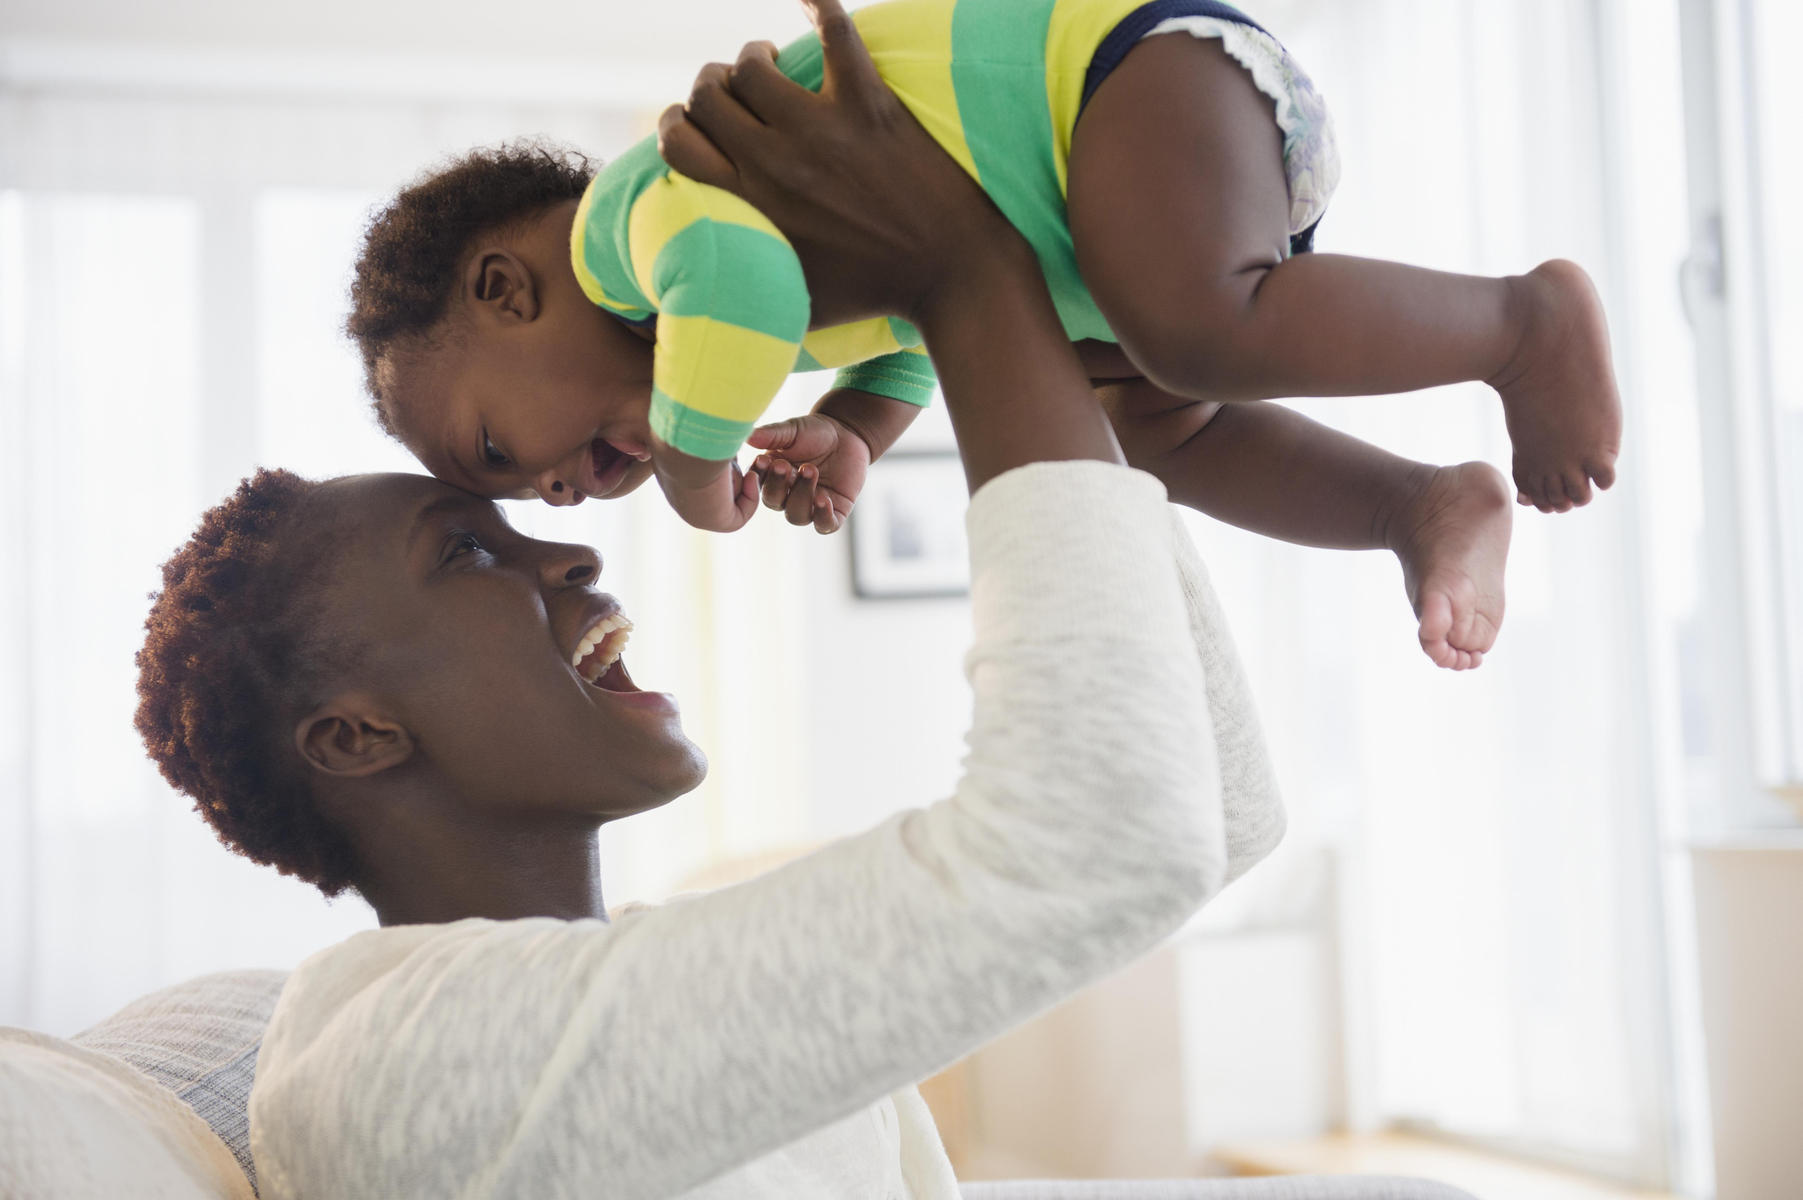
596	660
597	652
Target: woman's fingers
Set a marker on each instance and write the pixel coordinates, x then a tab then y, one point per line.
728	124
757	83
682	144
849	71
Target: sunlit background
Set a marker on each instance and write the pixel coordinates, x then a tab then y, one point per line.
1512	904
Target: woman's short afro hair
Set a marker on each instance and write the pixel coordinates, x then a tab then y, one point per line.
413	249
227	658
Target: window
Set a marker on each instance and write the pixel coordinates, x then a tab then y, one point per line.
1773	30
1744	293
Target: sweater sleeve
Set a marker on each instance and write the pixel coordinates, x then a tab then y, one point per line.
1251	805
518	1058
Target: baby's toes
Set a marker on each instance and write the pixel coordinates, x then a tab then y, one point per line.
1603	472
1528	487
1577	487
1436	624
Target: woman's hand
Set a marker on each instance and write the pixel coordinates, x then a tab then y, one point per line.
885	222
879	214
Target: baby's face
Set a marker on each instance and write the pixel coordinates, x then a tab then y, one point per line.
557	409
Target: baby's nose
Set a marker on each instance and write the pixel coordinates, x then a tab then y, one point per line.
553	489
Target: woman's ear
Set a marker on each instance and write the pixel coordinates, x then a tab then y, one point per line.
500	284
350	736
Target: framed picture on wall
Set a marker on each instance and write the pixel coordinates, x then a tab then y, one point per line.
907	529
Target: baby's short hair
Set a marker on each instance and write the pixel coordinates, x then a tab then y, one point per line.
228	654
414	247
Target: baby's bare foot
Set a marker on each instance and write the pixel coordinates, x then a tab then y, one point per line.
1453	540
1558	389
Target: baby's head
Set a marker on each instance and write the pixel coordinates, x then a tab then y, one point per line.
482	353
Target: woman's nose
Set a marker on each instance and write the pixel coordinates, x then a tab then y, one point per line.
554	488
570	565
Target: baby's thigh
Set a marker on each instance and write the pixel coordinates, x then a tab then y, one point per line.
1154	427
1176	182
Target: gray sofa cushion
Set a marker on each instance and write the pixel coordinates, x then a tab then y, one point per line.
1284	1187
199	1039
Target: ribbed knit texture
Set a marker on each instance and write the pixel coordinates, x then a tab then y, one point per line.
765	1037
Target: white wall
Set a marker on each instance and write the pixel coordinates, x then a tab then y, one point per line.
595	32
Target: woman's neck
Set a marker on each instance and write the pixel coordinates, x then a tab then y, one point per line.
437	870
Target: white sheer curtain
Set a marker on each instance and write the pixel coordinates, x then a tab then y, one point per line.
1503	943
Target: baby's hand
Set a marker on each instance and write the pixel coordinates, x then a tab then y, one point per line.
715	496
813	469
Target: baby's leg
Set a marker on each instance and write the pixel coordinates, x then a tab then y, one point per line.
1273	471
1179	209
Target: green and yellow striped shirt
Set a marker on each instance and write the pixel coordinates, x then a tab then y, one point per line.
997	83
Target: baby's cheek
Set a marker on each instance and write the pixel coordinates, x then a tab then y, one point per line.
633	480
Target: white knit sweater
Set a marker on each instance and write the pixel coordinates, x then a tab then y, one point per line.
763	1040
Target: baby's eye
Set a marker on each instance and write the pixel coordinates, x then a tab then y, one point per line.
492	456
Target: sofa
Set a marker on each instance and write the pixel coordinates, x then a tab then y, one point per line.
153	1102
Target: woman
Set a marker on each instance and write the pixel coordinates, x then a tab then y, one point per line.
374	682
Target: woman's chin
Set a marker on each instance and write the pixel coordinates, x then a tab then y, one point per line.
657	784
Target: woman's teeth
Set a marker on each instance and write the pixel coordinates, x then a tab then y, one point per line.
600	647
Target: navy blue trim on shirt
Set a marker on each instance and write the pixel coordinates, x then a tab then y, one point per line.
1141	21
634	322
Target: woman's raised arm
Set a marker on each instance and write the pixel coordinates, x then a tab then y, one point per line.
642	1058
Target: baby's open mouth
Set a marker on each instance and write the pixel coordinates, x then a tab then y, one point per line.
597	654
607	466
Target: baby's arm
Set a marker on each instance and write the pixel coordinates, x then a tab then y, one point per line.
732	307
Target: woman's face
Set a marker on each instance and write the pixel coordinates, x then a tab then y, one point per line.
469	632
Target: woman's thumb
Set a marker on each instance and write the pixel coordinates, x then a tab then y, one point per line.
846	62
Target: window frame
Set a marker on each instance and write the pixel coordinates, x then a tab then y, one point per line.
1757	700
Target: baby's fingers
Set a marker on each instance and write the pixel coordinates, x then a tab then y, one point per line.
745	501
826	516
802	498
779	479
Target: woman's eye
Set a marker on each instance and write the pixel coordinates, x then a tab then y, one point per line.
491	454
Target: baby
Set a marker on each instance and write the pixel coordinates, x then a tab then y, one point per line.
527	328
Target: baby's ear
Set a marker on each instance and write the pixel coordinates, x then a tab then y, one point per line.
350	736
498	282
